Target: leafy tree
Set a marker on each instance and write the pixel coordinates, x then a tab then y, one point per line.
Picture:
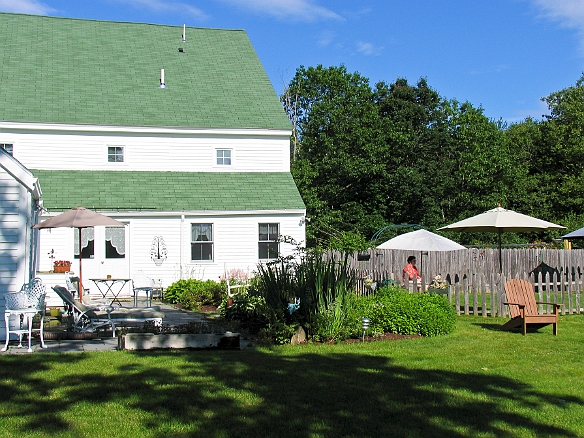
366	157
336	128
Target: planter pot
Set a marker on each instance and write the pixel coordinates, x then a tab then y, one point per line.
61	269
434	290
149	341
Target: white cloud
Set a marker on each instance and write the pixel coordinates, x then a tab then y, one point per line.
326	37
368	49
301	10
569	13
25	7
166	6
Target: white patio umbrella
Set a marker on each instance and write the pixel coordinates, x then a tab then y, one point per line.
421	240
499	220
79	218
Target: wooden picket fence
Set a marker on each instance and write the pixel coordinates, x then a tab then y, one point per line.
476	285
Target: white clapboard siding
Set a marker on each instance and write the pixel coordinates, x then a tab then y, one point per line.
151	152
15	235
235	239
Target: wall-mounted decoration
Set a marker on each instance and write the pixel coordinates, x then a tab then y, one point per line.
158	251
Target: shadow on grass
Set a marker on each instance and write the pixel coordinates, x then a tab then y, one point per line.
498	327
263	393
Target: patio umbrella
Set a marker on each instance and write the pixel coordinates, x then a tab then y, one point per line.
499	220
578	234
421	240
79	218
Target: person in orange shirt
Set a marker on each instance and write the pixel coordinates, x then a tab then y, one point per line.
410	272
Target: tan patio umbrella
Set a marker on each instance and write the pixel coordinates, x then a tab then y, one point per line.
498	220
79	218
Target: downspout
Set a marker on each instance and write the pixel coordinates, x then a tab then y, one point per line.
182	222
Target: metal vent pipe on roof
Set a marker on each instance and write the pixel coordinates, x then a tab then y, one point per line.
162	84
184	33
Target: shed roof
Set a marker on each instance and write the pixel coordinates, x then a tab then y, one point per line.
72	71
168	191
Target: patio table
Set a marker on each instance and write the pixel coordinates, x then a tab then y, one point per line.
111	286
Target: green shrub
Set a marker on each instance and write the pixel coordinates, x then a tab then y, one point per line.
251	311
193	293
277	333
395	310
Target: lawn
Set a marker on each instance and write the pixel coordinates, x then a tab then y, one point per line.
477	381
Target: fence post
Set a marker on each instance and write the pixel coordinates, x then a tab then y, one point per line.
502	296
457	298
492	295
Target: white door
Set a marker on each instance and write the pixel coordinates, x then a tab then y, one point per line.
105	253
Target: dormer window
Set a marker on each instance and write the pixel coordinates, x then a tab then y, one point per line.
115	154
223	157
8	147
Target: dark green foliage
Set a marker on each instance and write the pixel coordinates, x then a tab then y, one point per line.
251	311
322	286
395	310
397	153
365	157
193	293
277	333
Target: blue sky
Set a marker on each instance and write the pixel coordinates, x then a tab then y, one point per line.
503	55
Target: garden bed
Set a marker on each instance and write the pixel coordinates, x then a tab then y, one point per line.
150	341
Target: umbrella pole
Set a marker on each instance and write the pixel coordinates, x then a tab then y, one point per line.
80	267
499	242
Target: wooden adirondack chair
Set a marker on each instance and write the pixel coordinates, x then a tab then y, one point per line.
523	307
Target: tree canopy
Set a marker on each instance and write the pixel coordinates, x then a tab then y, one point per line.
367	156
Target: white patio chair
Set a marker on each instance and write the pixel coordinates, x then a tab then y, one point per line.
25	304
142	283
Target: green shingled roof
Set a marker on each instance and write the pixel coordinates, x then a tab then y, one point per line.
168	191
61	70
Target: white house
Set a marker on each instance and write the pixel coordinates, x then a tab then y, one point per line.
19	206
175	131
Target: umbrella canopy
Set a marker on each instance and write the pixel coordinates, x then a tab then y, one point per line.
421	240
499	220
79	218
578	234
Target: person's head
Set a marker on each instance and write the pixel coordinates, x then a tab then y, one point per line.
412	260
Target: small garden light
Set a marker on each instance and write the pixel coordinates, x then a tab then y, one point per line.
364	326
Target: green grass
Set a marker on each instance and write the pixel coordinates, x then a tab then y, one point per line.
477	381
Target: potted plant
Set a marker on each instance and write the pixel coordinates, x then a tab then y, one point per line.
439	286
61	266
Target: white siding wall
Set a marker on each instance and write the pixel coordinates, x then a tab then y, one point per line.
235	245
15	208
162	152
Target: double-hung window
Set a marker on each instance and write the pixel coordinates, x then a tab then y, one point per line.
268	245
115	154
202	242
223	157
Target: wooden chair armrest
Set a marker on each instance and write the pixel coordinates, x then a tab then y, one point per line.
552	304
514	304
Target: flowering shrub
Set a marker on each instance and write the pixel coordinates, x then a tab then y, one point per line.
438	283
235	276
62	263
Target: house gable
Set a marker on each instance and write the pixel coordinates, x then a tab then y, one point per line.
107	73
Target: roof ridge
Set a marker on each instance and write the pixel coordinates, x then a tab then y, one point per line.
141	23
